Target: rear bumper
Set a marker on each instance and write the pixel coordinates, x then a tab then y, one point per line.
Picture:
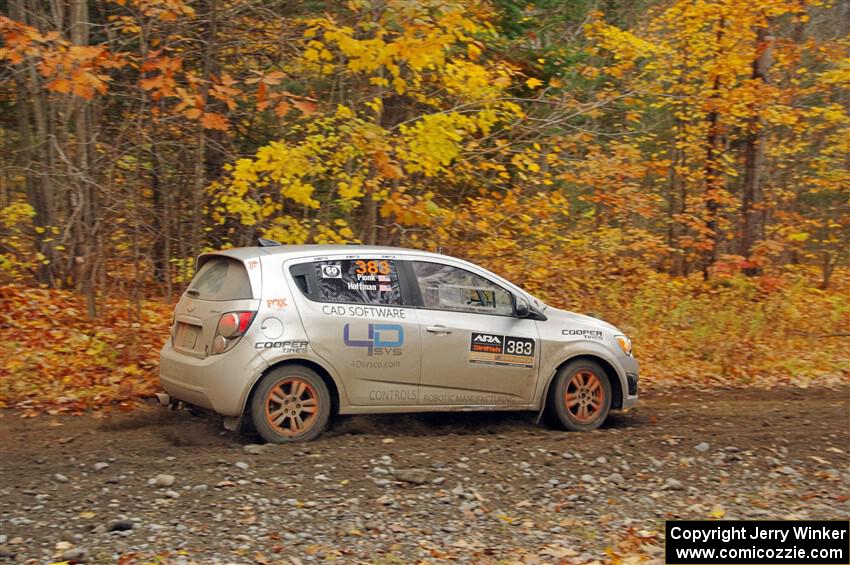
219	382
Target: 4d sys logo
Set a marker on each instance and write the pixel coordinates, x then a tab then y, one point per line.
382	339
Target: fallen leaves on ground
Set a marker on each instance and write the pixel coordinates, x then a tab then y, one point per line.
54	360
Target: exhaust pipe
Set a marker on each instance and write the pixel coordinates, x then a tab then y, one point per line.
166	401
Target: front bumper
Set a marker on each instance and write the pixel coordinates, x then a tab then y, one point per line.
630	389
219	382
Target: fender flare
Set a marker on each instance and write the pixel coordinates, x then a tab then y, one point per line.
607	363
309	361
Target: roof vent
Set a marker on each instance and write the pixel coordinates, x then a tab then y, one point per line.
267	242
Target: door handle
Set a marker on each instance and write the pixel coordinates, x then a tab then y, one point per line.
438	329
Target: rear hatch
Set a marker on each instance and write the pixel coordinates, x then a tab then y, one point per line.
222	284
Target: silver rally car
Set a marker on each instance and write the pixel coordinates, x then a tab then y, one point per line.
292	335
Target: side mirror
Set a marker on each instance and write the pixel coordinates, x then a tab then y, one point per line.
523	309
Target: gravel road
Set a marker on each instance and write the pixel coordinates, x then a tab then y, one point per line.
156	484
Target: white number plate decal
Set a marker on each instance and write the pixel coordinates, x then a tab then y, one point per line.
187	335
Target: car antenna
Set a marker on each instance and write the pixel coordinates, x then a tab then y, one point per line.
262	242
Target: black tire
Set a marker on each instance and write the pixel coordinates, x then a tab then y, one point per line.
590	396
289	396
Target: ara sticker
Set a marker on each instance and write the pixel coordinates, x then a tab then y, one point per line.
494	349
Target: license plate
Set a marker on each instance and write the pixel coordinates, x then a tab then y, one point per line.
187	336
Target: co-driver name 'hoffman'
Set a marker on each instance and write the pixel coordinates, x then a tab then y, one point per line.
726	535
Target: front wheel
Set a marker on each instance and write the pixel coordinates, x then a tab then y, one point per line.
291	403
581	397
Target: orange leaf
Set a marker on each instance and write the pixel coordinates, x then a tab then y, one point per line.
193	113
211	120
262	97
59	84
282	108
306	106
83	90
151	83
273	78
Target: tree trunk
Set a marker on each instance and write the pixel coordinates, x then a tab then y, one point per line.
676	205
712	174
33	154
209	68
711	187
752	209
86	272
370	233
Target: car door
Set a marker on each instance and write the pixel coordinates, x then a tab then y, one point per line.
353	312
475	351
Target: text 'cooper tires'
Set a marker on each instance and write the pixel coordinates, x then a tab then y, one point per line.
291	403
581	396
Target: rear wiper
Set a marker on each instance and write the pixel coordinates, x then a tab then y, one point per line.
193	292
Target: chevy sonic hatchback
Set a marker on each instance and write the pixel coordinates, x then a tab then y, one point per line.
291	336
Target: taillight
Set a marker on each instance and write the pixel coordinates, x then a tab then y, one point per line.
231	327
245	319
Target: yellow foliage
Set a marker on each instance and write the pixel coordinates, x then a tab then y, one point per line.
339	161
16	256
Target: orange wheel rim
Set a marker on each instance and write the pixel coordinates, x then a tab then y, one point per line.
292	406
584	396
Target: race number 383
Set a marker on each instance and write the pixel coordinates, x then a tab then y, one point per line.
519	346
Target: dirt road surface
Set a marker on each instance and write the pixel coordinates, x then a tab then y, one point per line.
164	486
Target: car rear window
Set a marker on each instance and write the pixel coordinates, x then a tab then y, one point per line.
221	278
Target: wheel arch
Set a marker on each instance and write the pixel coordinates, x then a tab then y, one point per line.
610	373
333	389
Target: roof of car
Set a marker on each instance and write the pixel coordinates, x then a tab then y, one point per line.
318	250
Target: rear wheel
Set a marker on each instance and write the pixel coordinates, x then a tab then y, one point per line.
581	396
291	403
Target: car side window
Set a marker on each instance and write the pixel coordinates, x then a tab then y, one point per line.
358	281
444	287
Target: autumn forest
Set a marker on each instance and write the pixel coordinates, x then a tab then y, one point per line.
678	167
